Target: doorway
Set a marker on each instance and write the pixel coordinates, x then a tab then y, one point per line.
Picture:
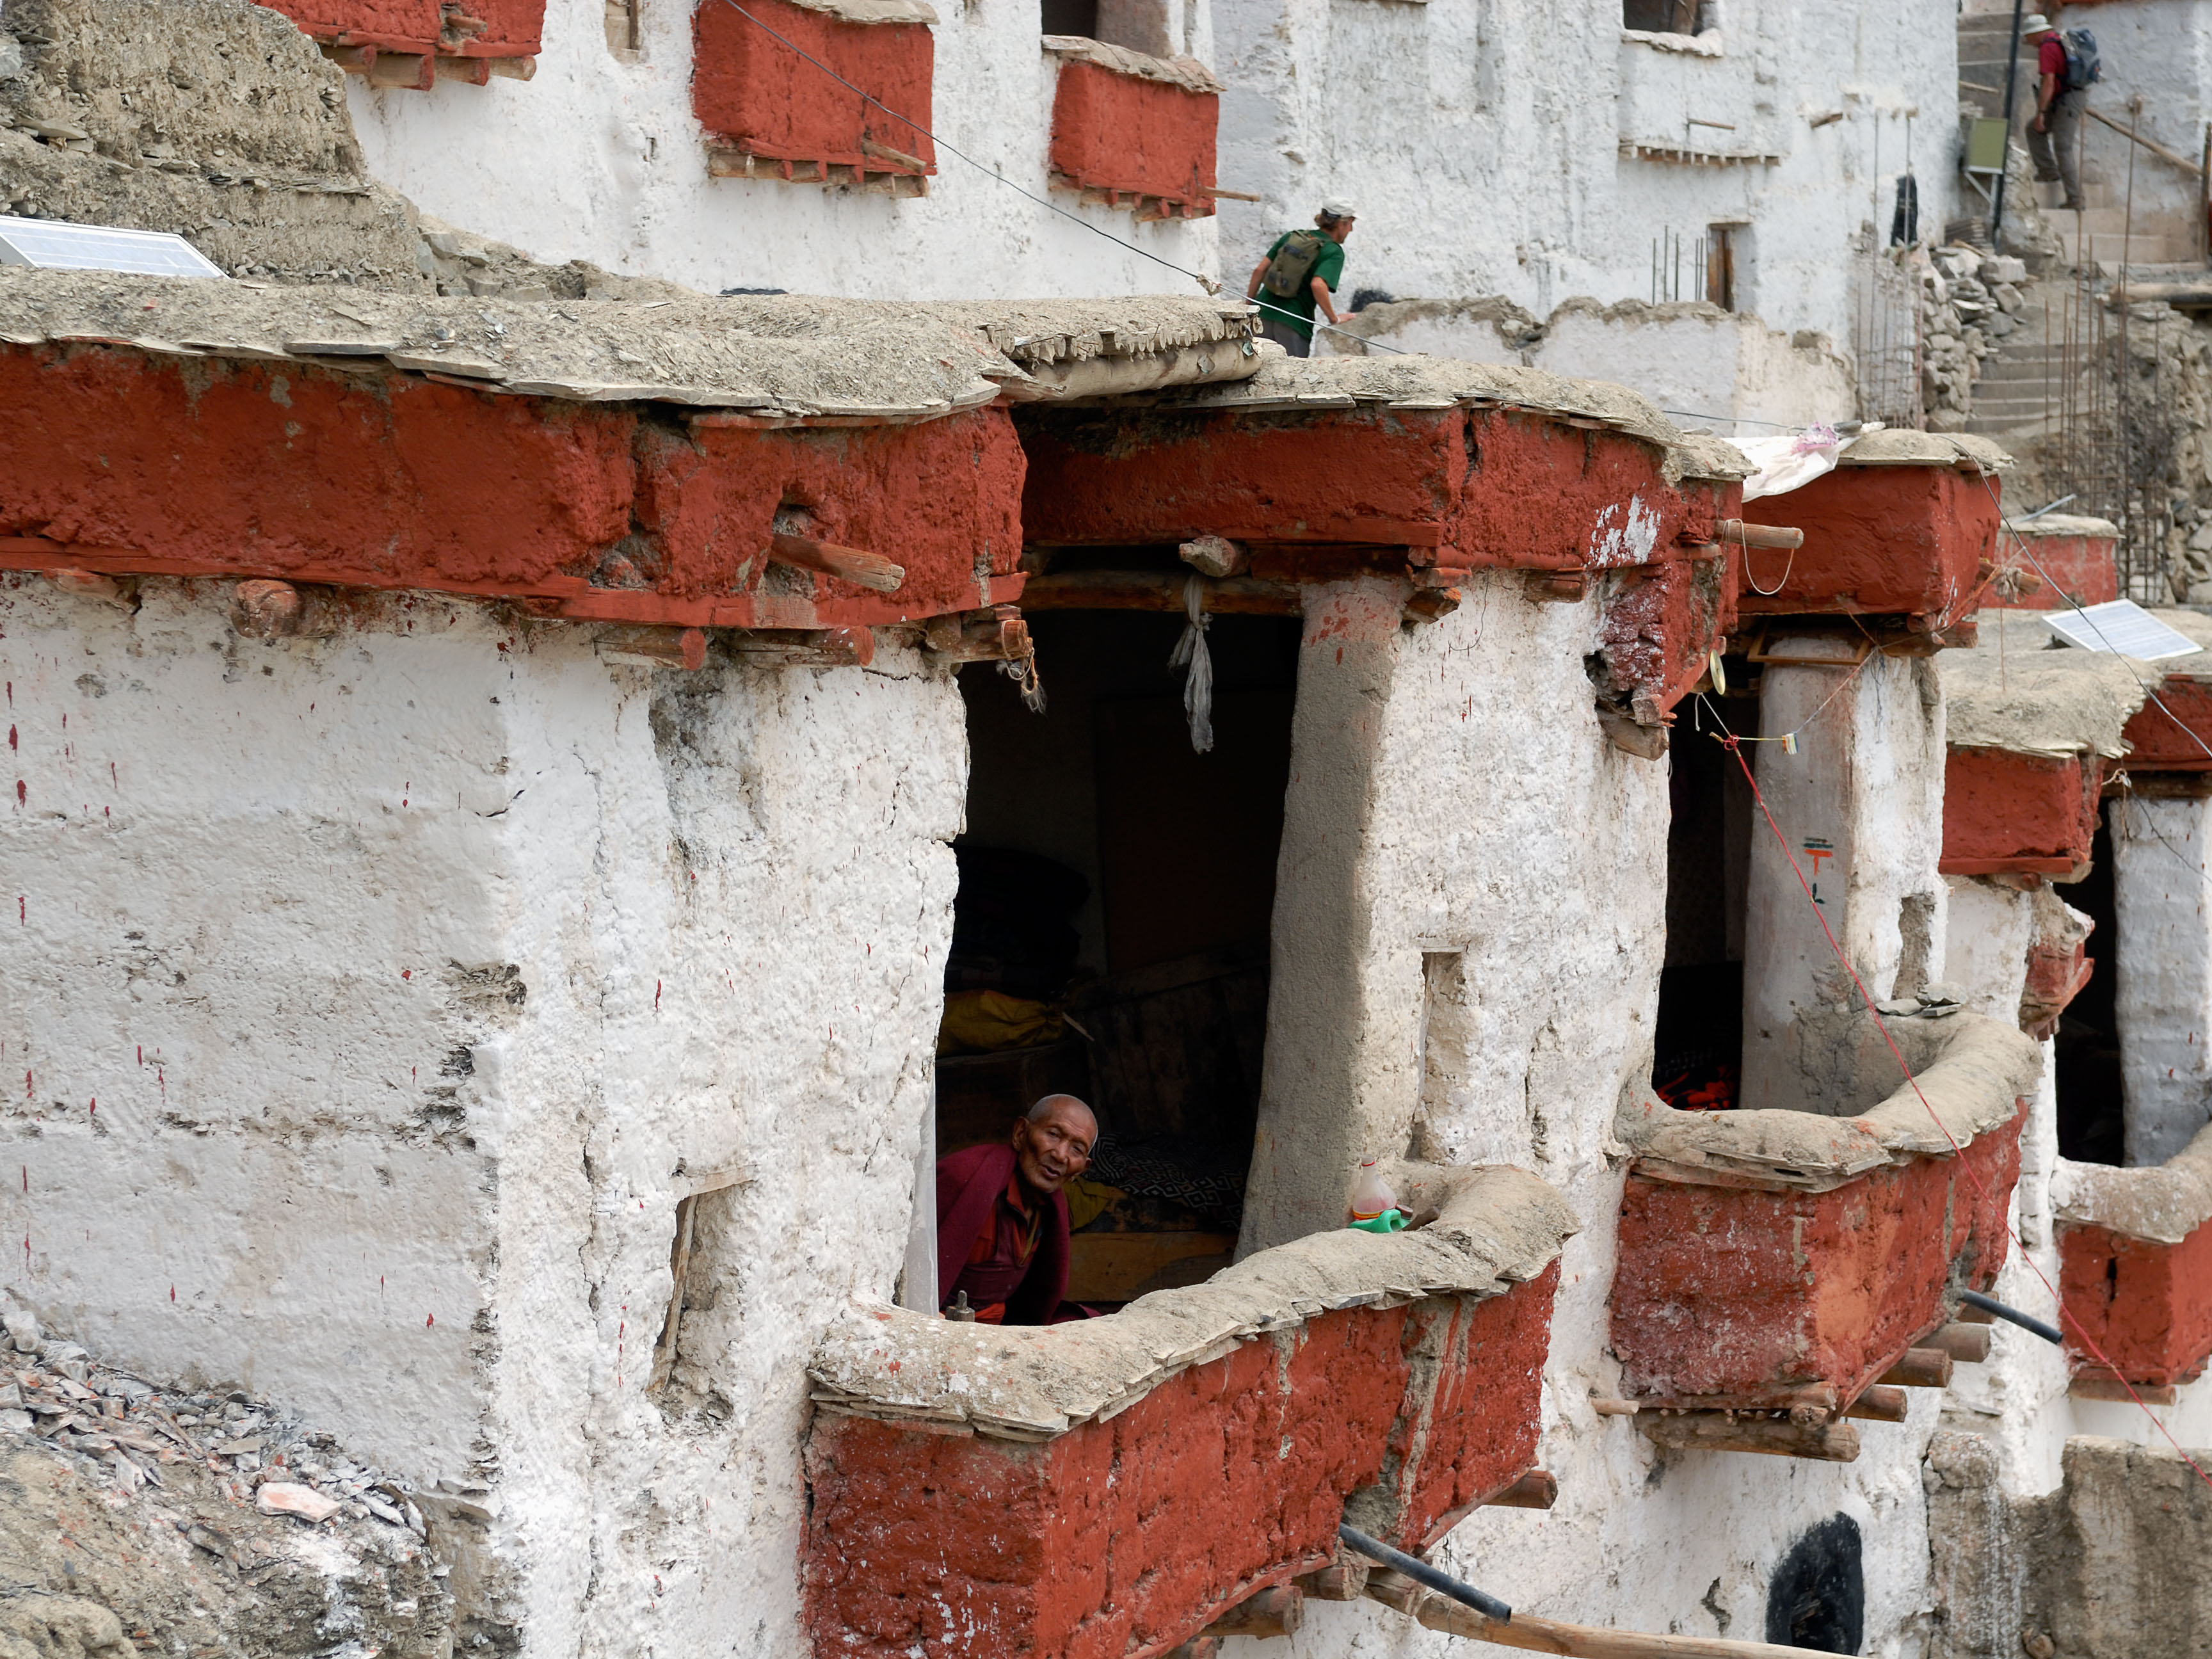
2086	1048
1110	935
1698	1039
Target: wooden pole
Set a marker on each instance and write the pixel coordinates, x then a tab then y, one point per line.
1968	1345
1921	1368
1879	1404
1735	533
1534	1635
2155	148
1149	590
847	564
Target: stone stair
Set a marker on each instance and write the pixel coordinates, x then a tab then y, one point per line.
2103	235
2018	387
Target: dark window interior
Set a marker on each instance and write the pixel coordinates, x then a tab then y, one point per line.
1121	886
1719	267
1071	17
1697	1043
1661	16
2091	1124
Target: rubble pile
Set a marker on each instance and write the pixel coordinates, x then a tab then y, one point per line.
139	1518
1969	300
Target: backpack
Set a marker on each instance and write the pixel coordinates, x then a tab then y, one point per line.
2082	68
1290	270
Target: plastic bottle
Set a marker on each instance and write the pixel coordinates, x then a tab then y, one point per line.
1371	1193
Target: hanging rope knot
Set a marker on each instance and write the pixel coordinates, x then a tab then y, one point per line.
1190	650
1022	671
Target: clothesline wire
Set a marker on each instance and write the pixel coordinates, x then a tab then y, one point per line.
1207	282
1729	740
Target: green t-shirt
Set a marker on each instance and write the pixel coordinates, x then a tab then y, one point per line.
1329	267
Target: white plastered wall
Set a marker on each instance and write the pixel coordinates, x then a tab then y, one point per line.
1474	809
1862	803
1480	140
599	158
1694	358
304	882
2165	977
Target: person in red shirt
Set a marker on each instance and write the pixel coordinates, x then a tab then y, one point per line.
1002	1218
2054	136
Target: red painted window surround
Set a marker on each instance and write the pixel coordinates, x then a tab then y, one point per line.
774	115
468	29
1133	130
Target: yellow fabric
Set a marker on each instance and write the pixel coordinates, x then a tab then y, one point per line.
1088	1199
982	1022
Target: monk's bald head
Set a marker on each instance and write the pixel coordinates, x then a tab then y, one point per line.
1053	1143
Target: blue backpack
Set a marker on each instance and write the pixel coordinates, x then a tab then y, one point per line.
2082	69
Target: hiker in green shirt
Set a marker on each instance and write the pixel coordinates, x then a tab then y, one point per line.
1298	273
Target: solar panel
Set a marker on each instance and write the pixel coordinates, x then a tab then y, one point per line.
54	245
2122	626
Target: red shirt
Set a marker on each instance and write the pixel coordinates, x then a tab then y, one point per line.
2051	59
999	1259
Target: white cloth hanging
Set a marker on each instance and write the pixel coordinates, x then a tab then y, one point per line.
1190	650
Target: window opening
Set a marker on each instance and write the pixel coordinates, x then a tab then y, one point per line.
701	1216
1145	25
625	28
1111	932
1720	266
1071	17
1697	1057
2086	1048
1444	1035
1664	16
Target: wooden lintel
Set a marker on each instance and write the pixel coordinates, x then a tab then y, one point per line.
998	634
2162	785
1771	1437
806	647
1276	1611
1147	590
1538	1489
2105	1386
653	647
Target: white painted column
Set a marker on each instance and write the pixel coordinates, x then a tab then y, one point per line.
2164	982
1860	805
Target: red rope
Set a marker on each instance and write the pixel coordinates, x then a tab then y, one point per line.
1735	746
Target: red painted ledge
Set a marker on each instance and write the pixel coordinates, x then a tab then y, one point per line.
1106	1490
2134	1252
1906	540
510	28
1771	1249
2008	813
127	464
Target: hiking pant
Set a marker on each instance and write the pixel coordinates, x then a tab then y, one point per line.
1297	344
2057	152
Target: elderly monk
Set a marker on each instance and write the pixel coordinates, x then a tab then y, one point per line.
1002	1218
